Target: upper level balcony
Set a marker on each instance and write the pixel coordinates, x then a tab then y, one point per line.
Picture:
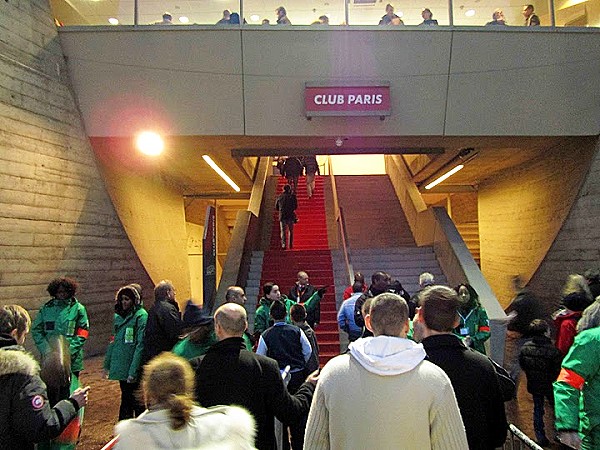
551	13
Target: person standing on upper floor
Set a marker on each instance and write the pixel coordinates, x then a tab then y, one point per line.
200	332
380	283
592	277
428	19
388	16
358	278
306	294
474	325
383	393
282	18
287	204
540	360
26	416
497	18
63	315
577	388
123	359
575	298
346	314
225	20
167	19
164	321
311	166
531	18
472	374
236	294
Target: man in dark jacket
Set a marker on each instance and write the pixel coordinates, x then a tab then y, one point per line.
292	169
286	204
380	283
164	322
306	294
472	374
231	375
25	413
540	360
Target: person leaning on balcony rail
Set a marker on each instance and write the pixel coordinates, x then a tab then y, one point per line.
167	19
497	19
282	18
389	15
428	19
531	18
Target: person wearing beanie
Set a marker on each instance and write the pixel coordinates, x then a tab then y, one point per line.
200	335
123	358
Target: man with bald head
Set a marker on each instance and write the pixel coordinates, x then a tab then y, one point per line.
231	375
236	294
302	292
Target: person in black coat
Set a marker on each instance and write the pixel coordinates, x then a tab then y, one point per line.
286	204
292	169
164	322
231	375
541	361
301	292
26	416
472	374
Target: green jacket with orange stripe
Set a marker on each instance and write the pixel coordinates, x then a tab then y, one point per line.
579	385
62	317
475	324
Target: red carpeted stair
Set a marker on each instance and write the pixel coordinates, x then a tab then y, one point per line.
311	254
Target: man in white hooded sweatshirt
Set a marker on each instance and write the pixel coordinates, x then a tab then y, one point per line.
383	394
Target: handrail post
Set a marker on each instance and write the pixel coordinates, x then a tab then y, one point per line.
339	218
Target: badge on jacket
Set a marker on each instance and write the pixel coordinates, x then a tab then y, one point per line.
37	402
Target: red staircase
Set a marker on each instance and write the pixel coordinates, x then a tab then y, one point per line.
311	254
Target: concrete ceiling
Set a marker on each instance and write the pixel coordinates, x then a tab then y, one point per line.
182	162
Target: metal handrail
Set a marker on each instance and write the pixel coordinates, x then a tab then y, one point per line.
339	218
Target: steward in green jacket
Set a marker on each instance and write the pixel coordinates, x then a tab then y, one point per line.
123	358
474	326
63	315
200	329
262	316
577	392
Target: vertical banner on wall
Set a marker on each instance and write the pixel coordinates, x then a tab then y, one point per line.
209	260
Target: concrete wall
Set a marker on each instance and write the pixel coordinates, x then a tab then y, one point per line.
522	210
56	218
575	248
444	81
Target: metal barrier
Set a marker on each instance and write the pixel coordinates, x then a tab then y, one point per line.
519	440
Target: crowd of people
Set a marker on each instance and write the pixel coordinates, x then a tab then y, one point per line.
198	379
389	18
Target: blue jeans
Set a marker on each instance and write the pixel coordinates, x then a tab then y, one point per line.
538	414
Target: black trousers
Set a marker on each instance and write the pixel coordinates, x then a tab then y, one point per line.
130	406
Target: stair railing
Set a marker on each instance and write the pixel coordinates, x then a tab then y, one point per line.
433	226
341	223
245	233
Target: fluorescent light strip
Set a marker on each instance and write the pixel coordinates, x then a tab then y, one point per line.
223	175
445	176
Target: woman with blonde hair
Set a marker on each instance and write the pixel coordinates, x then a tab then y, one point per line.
173	420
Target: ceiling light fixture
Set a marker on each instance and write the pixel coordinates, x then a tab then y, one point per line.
222	174
184	19
470	12
254	17
150	143
113	21
461	159
445	176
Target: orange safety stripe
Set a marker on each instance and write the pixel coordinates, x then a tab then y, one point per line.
82	332
571	378
484	328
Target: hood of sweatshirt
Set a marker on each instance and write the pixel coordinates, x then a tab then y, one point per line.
387	355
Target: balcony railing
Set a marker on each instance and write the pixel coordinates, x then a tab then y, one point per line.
332	13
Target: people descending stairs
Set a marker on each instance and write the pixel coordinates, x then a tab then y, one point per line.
310	254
